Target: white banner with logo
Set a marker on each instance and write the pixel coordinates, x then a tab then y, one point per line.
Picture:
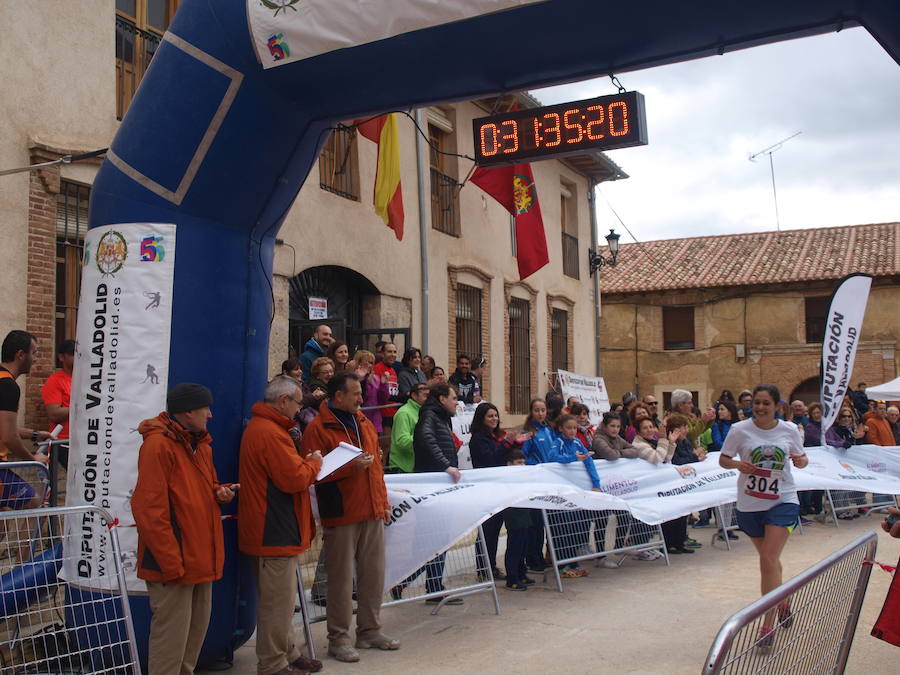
430	513
120	378
285	31
591	390
842	333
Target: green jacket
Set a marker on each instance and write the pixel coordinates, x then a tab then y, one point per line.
402	456
696	426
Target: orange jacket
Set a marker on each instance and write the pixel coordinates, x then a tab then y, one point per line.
178	520
349	495
274	514
880	432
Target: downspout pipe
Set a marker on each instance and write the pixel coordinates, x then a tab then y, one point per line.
424	222
595	277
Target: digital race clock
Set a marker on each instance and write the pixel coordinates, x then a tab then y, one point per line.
603	123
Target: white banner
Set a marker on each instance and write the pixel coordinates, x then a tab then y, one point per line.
120	378
842	333
461	422
430	514
591	390
285	31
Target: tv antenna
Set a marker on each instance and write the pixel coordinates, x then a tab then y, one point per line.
771	150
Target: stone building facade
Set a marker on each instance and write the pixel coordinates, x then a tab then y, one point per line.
729	312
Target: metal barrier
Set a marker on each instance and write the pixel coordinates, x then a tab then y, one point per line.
50	624
26	486
570	540
452	574
843	503
816	612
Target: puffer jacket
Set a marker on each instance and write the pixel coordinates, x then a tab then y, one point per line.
684	453
274	513
350	494
433	443
609	447
178	520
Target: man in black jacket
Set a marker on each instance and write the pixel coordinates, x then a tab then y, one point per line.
435	450
464	380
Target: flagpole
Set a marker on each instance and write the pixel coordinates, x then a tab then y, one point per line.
424	225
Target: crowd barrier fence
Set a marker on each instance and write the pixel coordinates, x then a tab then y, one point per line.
813	616
726	523
842	504
575	536
49	624
459	571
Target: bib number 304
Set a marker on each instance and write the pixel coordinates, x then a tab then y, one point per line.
763	484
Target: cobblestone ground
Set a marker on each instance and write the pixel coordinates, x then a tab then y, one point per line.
640	618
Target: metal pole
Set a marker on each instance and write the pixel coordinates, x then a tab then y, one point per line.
424	223
774	194
593	212
307	629
552	548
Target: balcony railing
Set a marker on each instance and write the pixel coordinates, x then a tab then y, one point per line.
570	255
134	51
444	203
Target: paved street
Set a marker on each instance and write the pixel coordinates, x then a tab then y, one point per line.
640	618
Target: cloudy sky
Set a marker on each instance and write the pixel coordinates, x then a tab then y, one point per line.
705	118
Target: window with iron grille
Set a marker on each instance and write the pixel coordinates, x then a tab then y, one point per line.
816	311
140	25
444	188
339	164
568	219
678	327
71	226
519	355
559	339
468	321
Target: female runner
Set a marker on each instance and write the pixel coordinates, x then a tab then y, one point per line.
762	449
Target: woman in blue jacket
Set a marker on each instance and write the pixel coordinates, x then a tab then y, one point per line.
489	446
726	415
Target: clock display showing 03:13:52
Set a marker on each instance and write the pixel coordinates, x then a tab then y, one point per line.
604	123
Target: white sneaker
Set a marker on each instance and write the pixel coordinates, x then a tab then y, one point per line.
646	555
609	563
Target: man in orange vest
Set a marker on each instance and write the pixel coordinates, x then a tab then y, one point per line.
181	550
275	523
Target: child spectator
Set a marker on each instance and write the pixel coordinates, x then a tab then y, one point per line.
518	522
585	430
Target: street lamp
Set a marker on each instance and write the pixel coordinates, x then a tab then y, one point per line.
596	261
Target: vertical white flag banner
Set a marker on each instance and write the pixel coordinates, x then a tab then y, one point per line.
591	390
843	326
120	378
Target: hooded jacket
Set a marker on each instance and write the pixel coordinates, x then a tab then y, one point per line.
350	494
542	446
465	385
179	522
433	442
311	351
274	514
567	449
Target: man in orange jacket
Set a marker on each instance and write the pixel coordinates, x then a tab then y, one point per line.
352	506
176	509
275	523
879	433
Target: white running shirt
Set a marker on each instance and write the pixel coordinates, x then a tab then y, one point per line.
768	450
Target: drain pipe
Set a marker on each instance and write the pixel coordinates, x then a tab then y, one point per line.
595	279
424	222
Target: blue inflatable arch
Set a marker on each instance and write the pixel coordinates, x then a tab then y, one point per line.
220	145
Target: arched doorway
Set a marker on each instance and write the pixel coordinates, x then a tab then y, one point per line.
807	391
347	300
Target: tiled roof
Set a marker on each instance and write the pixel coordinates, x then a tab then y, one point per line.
755	258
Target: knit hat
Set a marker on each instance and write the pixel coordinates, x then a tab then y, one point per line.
188	396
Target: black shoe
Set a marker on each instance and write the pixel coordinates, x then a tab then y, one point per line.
526	581
397	591
516	587
732	536
499	574
536	567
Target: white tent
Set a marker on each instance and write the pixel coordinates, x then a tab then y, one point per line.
889	391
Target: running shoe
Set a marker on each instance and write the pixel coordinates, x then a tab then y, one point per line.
805	521
526	581
611	564
785	615
732	535
703	522
516	587
766	638
580	571
569	574
646	555
692	543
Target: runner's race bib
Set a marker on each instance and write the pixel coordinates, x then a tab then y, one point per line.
763	483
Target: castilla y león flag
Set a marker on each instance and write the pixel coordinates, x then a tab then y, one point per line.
388	193
513	186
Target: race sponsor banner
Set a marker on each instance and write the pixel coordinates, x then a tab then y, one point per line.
285	31
120	378
429	513
591	390
461	422
842	330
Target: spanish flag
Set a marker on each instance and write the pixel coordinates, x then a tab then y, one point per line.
388	193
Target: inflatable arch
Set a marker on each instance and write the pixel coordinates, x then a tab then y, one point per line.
241	94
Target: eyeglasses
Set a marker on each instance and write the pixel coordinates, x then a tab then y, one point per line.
846	417
650	403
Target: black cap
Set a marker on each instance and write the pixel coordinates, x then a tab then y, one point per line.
66	347
188	396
